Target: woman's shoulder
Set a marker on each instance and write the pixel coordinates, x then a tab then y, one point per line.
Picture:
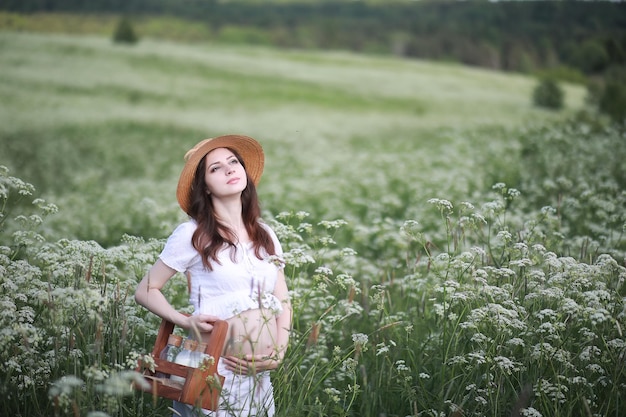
184	230
188	225
179	252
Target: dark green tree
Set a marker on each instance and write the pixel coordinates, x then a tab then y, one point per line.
548	94
612	100
124	32
592	57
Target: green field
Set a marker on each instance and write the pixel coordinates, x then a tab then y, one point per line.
456	246
77	111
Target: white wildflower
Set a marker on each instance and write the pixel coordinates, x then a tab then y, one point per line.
119	384
506	365
466	205
513	193
297	257
401	366
480	400
95	373
537	247
542	350
65	385
322	270
457	360
305	227
326	241
478	251
545	313
411	230
479	218
516	341
332	224
477	357
570	306
480	338
504	235
442	205
578	380
345	281
520	246
616	343
522	263
349	365
333	393
301	215
587	334
531	412
595	368
381	348
359	339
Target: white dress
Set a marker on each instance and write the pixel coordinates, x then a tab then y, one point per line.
233	286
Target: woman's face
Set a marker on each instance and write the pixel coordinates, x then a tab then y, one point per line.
224	175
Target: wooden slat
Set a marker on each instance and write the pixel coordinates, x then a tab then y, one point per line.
201	386
165	330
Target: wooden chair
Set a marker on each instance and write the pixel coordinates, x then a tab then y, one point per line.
202	386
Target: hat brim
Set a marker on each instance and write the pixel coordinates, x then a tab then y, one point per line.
249	149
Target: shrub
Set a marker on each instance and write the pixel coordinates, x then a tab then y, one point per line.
124	32
548	94
612	96
613	101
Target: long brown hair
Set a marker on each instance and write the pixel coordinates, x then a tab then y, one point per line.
211	236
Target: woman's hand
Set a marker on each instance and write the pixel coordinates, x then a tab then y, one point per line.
251	364
201	323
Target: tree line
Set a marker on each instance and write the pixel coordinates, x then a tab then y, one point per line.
589	37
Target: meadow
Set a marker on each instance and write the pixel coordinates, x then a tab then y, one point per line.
451	249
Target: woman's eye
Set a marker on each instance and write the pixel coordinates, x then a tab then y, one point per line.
214	169
234	161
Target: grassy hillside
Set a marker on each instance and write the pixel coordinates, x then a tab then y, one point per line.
81	114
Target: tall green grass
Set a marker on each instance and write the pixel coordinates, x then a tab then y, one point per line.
418	288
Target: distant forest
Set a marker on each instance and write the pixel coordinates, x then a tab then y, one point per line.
583	37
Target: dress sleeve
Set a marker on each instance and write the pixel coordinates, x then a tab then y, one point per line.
179	252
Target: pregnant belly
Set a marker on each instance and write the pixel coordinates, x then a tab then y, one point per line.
252	332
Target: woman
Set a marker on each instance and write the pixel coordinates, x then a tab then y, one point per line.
233	264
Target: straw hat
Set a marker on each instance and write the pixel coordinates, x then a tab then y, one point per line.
249	149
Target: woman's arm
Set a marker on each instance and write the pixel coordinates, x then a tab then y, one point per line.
149	295
283	321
